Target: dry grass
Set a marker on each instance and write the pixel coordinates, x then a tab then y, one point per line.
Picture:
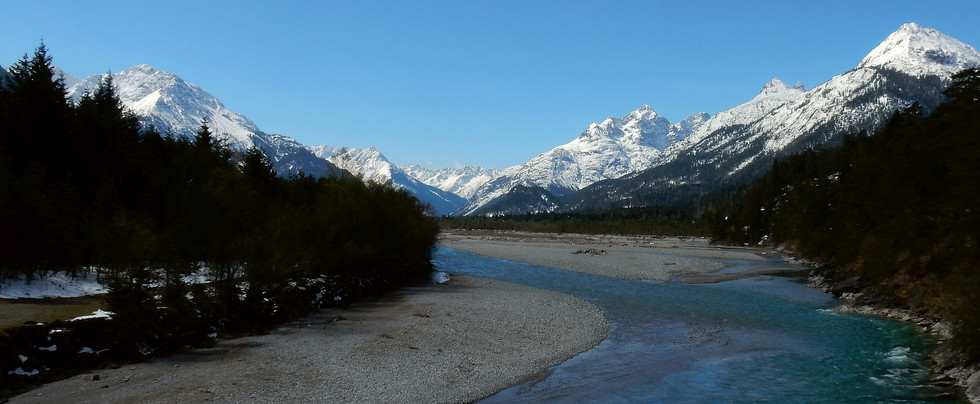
17	311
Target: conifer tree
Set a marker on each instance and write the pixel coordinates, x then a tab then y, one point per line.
39	112
965	87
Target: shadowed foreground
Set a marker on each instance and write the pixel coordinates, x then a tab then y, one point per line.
453	342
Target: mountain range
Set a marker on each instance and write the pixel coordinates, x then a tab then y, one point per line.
370	165
639	159
912	65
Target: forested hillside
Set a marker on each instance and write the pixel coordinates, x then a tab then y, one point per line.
84	188
894	215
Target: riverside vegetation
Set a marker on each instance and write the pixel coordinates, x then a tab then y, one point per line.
83	188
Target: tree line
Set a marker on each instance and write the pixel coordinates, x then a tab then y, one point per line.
661	220
85	188
894	215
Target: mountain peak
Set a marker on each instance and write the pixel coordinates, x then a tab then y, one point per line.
911	27
921	51
775	82
779	89
170	103
644	112
145	68
777	85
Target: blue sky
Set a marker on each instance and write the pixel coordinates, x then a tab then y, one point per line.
489	83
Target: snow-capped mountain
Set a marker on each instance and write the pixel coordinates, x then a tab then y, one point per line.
169	102
370	165
920	52
628	161
69	80
610	149
912	65
173	105
773	95
463	181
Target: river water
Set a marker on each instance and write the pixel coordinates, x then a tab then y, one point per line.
760	339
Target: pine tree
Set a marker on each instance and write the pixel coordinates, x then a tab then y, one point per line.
104	142
965	87
39	198
39	113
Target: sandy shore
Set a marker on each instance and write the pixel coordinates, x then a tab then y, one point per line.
622	257
454	342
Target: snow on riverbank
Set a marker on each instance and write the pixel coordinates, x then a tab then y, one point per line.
57	284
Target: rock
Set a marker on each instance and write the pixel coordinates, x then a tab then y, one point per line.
973	387
851	284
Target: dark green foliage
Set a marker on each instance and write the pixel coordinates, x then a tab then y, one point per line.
898	210
681	220
83	187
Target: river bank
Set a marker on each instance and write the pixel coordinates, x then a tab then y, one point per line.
945	361
636	257
452	342
687	259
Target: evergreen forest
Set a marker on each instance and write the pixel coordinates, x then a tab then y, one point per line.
664	220
893	216
191	236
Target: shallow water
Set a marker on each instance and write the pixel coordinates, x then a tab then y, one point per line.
760	339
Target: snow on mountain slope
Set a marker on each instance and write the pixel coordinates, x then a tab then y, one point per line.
169	102
289	156
773	95
610	149
912	65
173	105
884	81
462	181
919	52
370	165
67	77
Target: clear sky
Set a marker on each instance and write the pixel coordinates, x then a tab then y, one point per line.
459	82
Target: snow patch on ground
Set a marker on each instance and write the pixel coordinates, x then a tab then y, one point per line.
53	285
95	314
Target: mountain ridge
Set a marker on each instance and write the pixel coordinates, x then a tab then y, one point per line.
173	105
642	151
369	164
604	150
860	99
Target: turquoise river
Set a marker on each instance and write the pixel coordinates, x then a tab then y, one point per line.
760	339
